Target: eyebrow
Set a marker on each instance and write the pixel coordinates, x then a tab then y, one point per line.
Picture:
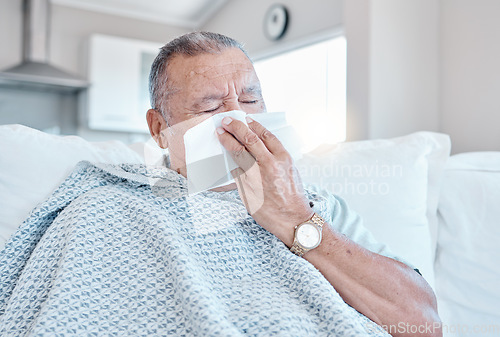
198	104
254	89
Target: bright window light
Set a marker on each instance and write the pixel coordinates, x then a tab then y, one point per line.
309	84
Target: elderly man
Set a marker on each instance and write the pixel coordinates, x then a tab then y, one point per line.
110	253
202	74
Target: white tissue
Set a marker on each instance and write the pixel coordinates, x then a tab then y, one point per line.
208	163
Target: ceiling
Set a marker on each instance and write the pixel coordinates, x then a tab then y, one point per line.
190	14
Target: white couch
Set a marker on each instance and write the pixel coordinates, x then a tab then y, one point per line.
440	214
467	264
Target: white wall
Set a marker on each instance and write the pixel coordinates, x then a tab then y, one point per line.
72	27
404	62
357	25
470	73
309	20
10	33
392	67
424	64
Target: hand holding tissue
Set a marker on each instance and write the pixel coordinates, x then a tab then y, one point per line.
209	164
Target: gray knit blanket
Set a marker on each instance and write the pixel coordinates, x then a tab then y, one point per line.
123	251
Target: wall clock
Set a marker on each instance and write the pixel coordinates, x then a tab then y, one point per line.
276	22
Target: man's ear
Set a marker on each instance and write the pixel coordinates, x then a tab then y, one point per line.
157	127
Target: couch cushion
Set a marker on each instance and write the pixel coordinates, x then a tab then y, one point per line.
468	251
392	183
34	163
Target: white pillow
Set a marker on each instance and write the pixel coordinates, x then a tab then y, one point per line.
467	272
33	164
392	183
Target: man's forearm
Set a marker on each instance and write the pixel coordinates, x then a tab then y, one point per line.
386	291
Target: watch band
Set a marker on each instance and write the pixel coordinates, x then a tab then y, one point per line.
297	248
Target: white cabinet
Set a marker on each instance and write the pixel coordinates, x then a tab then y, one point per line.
118	97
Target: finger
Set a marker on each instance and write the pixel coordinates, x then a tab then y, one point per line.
271	142
247	138
238	152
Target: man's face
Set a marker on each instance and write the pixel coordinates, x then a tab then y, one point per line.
202	86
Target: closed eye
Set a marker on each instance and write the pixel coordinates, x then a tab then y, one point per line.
212	110
249	102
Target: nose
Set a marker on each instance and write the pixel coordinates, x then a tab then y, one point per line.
232	104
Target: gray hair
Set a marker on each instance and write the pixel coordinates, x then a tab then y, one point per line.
191	44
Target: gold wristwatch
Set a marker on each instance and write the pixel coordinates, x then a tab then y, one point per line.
307	235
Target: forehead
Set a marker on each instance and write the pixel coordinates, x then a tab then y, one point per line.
188	71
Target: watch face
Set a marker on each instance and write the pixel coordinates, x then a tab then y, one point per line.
308	235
